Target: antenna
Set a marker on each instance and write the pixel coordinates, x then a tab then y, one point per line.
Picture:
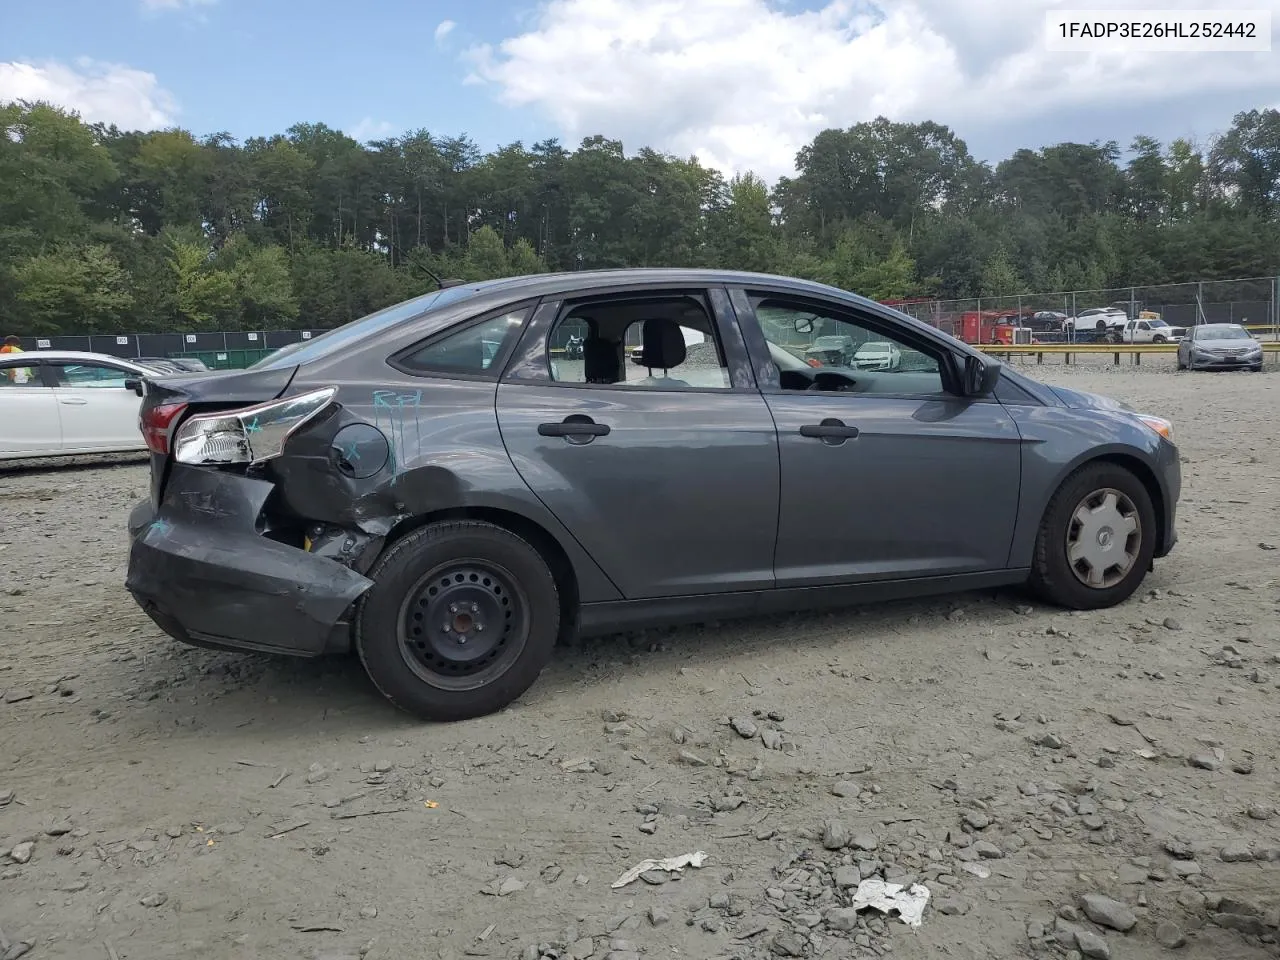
434	276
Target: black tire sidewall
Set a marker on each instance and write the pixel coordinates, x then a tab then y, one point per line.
402	567
1052	576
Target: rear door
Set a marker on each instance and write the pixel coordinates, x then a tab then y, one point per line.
29	422
666	474
99	413
885	474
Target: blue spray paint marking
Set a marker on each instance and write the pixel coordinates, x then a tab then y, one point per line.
160	527
393	406
252	426
351	452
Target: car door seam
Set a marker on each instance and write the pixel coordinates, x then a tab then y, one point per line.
497	419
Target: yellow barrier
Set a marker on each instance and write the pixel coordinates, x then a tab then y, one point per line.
1132	350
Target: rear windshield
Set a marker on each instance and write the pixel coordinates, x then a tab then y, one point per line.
339	337
1222	333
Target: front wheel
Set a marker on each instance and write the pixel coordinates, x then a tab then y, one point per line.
460	620
1096	540
1158	339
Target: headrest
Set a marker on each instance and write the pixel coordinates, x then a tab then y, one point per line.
601	360
663	346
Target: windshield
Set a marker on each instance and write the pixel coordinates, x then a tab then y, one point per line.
1222	332
367	326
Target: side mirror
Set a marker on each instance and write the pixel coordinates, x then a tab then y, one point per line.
980	376
134	384
804	325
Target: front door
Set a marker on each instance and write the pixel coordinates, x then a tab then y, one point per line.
98	411
651	444
884	473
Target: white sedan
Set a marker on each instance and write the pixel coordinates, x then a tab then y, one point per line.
62	402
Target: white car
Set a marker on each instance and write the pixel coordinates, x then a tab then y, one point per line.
63	402
877	355
1096	320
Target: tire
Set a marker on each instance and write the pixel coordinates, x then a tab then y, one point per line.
499	581
1181	365
1158	339
1053	576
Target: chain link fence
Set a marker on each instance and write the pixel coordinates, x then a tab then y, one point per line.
1074	314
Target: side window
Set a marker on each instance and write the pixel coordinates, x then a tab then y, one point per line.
82	375
654	343
1144	325
816	349
470	351
13	375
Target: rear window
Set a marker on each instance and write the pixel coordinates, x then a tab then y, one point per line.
339	337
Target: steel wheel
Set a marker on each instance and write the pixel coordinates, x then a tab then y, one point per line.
1104	538
463	624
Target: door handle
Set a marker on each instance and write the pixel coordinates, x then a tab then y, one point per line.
828	430
74	401
574	427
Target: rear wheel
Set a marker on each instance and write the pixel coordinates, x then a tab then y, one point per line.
460	620
1096	540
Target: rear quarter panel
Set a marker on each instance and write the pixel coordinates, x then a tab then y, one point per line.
446	453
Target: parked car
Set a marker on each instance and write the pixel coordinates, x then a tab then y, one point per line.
69	403
186	364
1096	320
1046	321
830	351
451	523
877	355
1219	346
1148	331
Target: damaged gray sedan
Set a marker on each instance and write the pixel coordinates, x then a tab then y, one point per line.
444	488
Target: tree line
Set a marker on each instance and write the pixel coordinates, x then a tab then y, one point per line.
104	230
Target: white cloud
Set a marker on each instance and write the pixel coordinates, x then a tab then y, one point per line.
743	84
370	129
107	92
444	29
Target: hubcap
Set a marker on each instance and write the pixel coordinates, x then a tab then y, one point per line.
463	624
1103	538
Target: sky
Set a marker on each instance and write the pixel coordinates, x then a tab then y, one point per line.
739	84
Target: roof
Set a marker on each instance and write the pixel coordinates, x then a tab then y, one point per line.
82	356
622	276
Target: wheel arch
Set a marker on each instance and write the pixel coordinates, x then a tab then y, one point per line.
542	540
1125	460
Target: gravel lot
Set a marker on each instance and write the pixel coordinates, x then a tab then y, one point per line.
1028	766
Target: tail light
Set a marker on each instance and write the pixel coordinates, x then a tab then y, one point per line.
156	423
249	435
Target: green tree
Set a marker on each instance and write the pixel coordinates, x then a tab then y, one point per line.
202	294
72	288
999	278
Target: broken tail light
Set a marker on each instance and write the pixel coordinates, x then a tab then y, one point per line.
155	424
249	435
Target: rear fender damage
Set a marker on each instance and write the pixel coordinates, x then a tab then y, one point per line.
202	558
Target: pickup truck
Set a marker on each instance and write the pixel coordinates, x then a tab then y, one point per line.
1148	331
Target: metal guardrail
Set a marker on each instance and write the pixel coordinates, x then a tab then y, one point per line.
1134	351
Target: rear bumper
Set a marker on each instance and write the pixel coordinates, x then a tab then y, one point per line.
201	570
